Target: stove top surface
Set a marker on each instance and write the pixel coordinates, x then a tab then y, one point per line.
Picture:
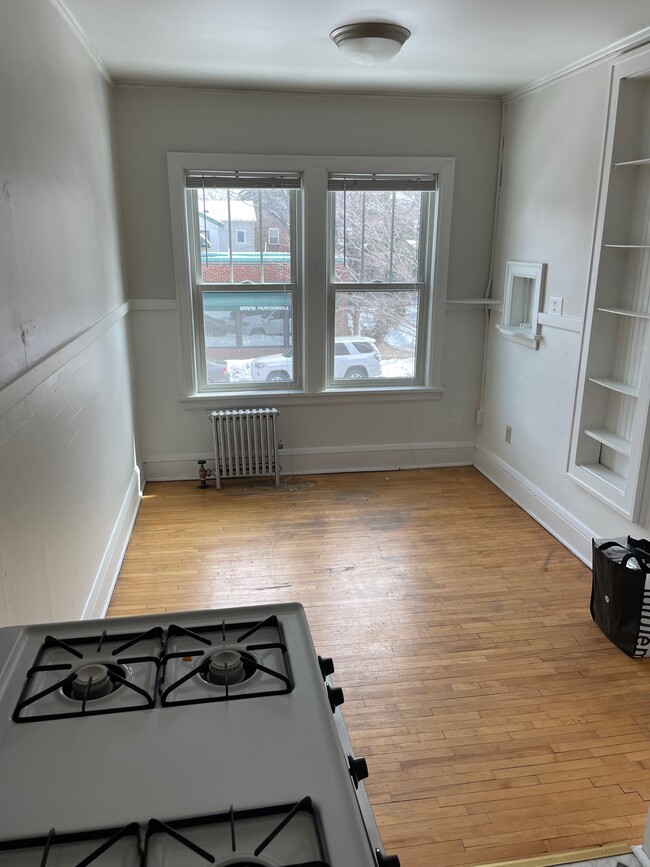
196	752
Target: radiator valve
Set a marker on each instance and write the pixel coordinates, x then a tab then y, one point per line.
204	473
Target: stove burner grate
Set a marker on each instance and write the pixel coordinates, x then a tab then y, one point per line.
127	850
286	813
226	664
172	841
94	679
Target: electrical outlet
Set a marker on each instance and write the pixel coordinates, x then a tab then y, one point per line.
508	433
555	305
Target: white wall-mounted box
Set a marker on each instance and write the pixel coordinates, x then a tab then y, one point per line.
521	300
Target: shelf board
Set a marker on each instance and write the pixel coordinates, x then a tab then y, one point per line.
491	302
606	475
644	162
620	311
518	331
627	246
611	440
615	385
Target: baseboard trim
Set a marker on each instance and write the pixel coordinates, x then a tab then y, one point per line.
327	459
100	595
566	528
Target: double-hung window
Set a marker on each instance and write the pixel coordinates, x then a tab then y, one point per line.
381	260
243	296
310	277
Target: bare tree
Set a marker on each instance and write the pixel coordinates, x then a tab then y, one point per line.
377	239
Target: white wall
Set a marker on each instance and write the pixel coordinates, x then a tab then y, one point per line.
68	487
153	121
551	170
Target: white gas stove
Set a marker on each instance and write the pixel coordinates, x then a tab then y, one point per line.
209	737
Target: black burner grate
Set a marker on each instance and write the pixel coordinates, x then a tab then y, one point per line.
42	680
275	681
178	668
279	822
81	848
236	833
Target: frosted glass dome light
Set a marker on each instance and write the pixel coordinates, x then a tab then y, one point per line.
370	42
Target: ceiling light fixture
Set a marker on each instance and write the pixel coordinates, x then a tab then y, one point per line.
370	42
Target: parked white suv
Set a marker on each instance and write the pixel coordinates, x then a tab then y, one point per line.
354	358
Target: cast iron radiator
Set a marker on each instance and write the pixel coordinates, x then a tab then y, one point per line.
245	443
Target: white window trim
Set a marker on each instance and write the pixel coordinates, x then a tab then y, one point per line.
310	303
276	235
237	233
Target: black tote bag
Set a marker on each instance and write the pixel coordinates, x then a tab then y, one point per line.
620	594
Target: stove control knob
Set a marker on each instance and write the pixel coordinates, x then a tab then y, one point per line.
387	860
326	665
335	695
358	770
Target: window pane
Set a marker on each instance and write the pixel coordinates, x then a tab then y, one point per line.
390	320
233	229
241	327
376	236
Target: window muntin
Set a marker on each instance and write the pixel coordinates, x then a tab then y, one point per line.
234	323
274	236
382	242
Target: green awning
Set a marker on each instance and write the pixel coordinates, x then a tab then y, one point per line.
247	302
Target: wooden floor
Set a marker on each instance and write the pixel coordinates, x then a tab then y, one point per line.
497	721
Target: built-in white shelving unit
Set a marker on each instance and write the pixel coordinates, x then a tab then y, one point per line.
609	452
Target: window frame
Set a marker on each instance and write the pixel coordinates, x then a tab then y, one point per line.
423	285
311	302
202	386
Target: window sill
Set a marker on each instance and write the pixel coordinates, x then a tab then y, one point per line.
302	398
524	336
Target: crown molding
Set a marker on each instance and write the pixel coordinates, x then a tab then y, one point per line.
79	32
430	95
628	43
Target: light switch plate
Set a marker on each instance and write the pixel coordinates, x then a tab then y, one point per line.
555	305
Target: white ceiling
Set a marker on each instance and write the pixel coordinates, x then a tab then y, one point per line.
488	47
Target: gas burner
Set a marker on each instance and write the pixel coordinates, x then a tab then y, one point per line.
228	665
123	681
231	661
95	680
284	836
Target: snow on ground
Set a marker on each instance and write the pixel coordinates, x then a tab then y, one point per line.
397	367
239	369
